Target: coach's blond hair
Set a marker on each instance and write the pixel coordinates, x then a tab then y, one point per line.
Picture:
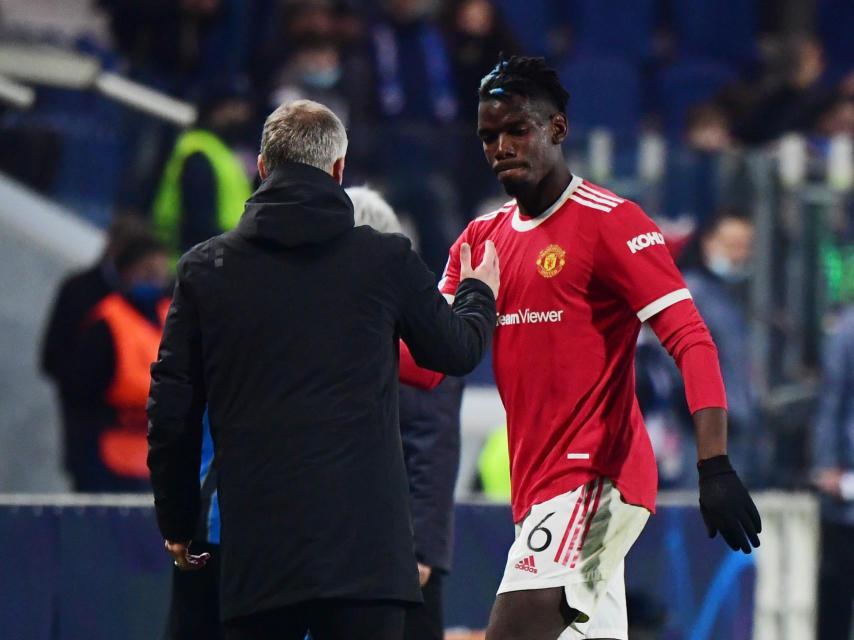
303	131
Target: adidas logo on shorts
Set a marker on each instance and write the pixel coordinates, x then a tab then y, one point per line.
527	564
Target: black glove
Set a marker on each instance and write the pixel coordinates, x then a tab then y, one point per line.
726	506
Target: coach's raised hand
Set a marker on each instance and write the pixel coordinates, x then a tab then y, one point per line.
487	271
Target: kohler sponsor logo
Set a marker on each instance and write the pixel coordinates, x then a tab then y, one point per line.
645	240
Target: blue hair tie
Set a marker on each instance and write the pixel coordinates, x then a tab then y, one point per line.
497	91
494	73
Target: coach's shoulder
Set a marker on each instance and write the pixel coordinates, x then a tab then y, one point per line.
382	243
196	257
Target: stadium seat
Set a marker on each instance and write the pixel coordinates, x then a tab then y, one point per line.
531	22
725	32
604	92
685	84
621	28
835	18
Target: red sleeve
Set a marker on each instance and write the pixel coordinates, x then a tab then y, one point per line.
633	261
415	376
685	336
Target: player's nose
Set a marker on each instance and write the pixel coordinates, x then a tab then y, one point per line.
505	148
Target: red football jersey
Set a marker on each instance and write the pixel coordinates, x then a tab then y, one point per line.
576	284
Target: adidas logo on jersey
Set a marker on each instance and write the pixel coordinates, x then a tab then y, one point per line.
645	240
526	316
527	564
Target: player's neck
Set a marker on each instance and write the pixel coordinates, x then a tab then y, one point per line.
546	193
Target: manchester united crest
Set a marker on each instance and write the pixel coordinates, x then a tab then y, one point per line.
551	261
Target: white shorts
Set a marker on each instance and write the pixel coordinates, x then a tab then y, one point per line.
578	540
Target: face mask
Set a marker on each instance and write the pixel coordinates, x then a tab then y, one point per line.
723	268
145	293
324	79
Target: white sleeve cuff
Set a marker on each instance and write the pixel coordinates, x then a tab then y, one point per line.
657	306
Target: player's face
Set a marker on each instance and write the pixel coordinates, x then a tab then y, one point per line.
521	142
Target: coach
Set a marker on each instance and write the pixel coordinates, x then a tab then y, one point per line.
287	328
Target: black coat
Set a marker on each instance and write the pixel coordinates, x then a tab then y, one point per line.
430	427
287	328
76	298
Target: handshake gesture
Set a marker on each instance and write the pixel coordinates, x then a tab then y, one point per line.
487	271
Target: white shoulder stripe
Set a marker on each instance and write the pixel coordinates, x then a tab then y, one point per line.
591	196
588	203
586	186
494	214
657	306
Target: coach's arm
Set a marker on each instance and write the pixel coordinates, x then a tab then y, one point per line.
453	339
176	404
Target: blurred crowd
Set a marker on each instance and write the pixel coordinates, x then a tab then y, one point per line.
403	74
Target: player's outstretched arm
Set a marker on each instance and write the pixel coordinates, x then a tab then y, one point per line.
726	506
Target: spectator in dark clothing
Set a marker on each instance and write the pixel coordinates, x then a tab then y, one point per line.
718	284
179	45
415	93
475	35
317	50
833	474
793	103
108	369
413	64
77	296
315	71
287	328
430	428
206	180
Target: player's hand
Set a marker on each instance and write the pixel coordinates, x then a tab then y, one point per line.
487	271
423	573
726	506
183	559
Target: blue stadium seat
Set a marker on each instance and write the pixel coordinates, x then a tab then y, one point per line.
711	29
835	20
685	84
531	22
93	154
622	28
604	92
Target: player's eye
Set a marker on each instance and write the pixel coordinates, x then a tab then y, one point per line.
519	131
487	138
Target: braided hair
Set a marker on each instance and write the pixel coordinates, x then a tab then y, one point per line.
524	76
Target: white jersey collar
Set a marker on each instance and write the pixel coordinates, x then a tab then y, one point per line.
526	225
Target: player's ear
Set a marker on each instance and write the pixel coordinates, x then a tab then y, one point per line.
560	127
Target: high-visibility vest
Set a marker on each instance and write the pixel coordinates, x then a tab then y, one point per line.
123	446
494	466
232	186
